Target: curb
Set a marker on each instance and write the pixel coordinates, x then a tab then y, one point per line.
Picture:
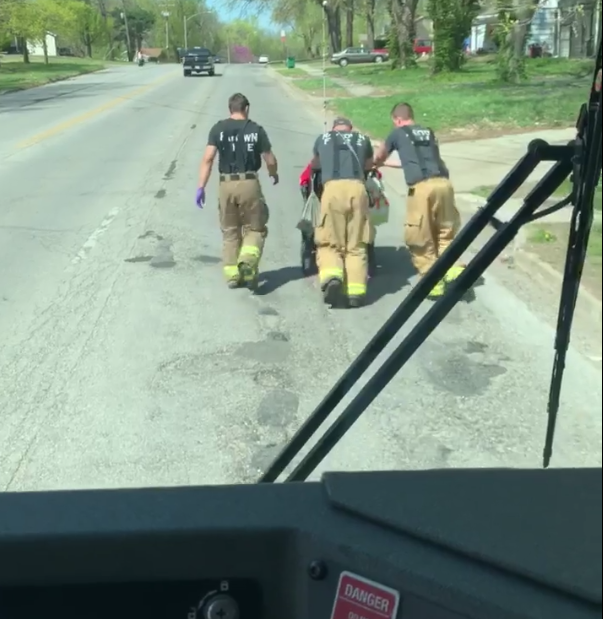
527	261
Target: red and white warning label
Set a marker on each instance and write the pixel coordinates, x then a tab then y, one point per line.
359	598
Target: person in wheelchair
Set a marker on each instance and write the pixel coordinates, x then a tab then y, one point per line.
310	181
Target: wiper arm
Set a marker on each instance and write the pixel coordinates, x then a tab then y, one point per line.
587	174
568	158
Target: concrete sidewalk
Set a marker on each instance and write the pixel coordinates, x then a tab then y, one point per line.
356	90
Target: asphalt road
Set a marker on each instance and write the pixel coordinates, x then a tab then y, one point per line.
124	360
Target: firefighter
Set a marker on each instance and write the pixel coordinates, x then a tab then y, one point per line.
343	232
432	219
310	181
240	145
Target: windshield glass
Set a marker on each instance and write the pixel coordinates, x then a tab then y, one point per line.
129	356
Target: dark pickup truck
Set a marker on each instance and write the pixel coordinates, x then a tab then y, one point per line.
198	60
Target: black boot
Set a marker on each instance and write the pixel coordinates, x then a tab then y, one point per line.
333	293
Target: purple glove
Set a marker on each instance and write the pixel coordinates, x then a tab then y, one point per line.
200	198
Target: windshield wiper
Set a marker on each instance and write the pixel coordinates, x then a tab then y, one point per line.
580	158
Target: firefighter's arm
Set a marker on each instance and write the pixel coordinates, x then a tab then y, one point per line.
369	159
315	162
207	164
211	150
383	151
436	147
267	154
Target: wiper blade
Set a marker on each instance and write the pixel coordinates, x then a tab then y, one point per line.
587	175
579	157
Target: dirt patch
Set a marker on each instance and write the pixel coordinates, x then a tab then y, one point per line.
329	94
549	243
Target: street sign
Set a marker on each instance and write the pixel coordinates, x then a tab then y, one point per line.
359	598
283	36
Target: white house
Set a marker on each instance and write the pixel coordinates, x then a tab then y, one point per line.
36	48
562	28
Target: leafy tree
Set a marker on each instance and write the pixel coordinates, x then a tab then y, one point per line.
514	20
452	21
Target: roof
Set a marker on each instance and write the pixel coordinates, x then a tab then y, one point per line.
151	52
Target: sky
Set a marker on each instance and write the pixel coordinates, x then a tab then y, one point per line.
228	14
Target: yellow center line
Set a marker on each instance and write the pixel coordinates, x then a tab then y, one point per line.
78	120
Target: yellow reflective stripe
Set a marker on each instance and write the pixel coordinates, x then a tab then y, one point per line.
453	273
326	274
231	271
356	290
438	290
250	250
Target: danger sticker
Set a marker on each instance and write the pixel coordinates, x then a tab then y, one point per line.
359	598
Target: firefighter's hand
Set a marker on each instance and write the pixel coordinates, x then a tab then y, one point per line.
274	179
200	197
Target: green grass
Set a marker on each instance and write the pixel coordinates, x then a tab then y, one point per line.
316	84
544	236
291	72
471	99
16	75
485	190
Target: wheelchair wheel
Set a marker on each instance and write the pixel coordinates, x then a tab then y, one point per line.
308	257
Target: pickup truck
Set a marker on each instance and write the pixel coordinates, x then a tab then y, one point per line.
198	60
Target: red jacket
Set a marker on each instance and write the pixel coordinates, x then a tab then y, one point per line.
305	178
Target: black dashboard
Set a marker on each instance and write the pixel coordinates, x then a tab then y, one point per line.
452	544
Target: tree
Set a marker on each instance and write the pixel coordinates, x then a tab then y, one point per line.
133	25
513	29
452	21
91	26
402	34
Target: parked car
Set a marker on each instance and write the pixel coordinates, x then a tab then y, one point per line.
263	60
422	46
357	55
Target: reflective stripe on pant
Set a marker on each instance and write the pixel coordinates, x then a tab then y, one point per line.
432	221
243	219
342	234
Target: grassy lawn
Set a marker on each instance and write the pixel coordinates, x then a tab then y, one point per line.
16	75
290	72
471	100
315	87
549	243
485	190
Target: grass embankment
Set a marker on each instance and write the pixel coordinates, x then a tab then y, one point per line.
472	103
316	87
17	75
549	240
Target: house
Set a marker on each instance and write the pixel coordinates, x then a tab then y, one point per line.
36	48
561	28
152	54
423	29
482	31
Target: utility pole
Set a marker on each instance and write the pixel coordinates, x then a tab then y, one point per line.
166	16
185	26
124	16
